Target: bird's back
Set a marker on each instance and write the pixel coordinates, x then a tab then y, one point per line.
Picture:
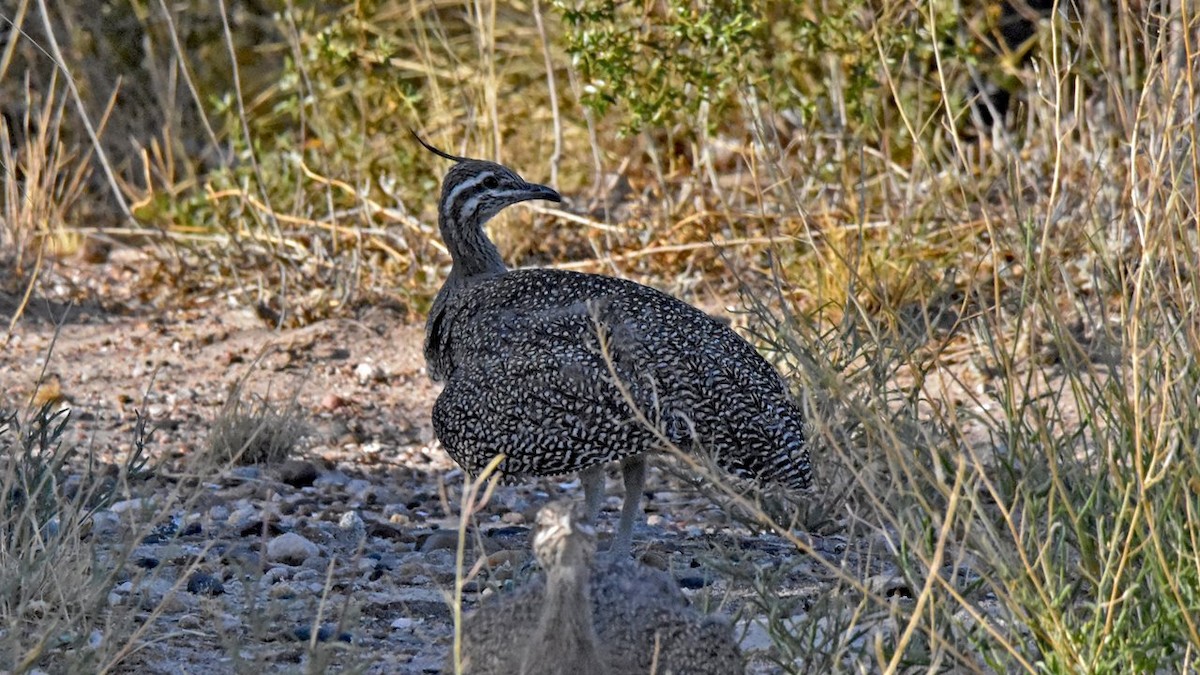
493	635
549	367
643	620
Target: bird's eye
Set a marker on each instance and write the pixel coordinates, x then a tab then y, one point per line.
491	182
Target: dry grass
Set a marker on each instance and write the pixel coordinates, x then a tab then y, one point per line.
998	339
254	431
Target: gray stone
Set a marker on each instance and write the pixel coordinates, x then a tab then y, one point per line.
291	548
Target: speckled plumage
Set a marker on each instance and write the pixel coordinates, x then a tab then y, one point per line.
639	621
526	375
553	368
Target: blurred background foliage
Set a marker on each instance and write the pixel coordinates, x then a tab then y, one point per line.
272	136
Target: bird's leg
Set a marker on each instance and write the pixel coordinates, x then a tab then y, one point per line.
633	470
593	490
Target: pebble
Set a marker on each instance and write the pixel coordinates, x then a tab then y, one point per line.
229	623
245	472
297	473
161	593
284	591
404	623
890	586
439	540
190	622
291	548
368	373
694	581
331	479
274	575
202	583
106	526
360	489
256	527
162	532
324	634
350	520
128	505
330	402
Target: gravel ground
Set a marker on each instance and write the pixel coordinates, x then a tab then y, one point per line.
350	545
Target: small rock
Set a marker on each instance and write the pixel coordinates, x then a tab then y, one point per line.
257	526
324	634
284	591
350	520
106	526
418	603
694	581
161	593
368	373
128	505
306	574
509	531
389	531
229	623
190	622
274	575
331	401
755	637
360	489
201	583
890	586
656	560
245	472
146	562
404	623
297	473
512	557
291	548
390	511
513	518
331	479
317	563
440	539
162	532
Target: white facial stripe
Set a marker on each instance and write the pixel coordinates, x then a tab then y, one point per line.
466	185
500	196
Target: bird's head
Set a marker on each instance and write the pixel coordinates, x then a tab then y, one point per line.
474	190
562	538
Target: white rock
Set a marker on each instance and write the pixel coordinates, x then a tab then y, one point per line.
350	520
369	372
404	623
290	548
126	505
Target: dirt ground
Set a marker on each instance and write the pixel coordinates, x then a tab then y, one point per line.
369	489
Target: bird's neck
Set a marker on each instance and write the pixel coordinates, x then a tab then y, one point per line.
471	252
565	631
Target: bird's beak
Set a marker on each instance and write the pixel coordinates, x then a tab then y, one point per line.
542	192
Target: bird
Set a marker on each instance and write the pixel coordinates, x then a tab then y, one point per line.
545	627
564	372
589	617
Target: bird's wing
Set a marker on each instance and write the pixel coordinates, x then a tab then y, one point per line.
555	386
